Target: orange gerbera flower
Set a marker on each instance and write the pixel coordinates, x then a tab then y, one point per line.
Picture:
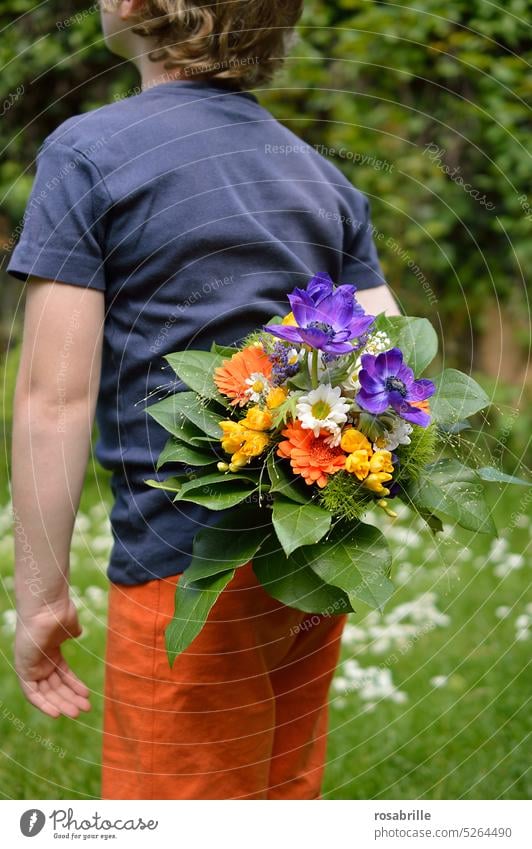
230	378
309	455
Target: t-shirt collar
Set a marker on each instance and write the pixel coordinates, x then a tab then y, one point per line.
201	87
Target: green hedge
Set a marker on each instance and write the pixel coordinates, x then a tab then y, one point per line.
424	109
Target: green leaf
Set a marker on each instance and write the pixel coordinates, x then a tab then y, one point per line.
164	412
230	543
219	478
416	338
286	409
489	473
284	482
357	559
196	368
176	451
193	604
451	490
225	351
217	491
297	525
172	484
292	582
434	524
302	379
455	427
186	406
198	412
457	397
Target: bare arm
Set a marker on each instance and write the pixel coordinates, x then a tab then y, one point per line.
378	300
54	403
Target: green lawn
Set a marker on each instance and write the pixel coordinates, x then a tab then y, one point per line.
430	701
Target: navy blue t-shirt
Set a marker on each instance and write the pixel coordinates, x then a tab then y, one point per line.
195	211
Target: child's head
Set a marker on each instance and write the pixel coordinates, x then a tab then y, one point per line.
241	40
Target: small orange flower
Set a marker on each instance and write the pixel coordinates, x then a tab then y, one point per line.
423	405
309	455
230	378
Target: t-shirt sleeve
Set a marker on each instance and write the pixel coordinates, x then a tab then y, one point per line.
361	264
63	226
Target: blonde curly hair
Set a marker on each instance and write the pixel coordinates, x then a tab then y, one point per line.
241	40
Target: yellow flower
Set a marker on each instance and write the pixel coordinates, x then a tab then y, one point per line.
380	472
375	482
289	319
257	419
234	436
381	462
354	440
238	460
230	427
358	464
276	396
254	445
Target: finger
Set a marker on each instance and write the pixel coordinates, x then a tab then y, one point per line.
72	680
64	690
32	694
64	706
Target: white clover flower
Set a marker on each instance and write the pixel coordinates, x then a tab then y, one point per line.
322	408
377	343
9	621
259	386
398	435
439	681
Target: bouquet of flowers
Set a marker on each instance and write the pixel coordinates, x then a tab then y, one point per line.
317	417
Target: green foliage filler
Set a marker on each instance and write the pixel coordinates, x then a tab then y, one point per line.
343	496
416	455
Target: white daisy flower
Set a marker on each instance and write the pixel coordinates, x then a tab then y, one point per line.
259	386
398	435
322	408
334	438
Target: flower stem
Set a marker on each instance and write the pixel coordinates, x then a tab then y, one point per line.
314	374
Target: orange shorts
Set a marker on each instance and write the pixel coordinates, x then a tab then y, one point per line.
243	712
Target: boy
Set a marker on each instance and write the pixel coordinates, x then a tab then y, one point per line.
177	216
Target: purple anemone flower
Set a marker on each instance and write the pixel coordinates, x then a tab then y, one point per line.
327	318
387	381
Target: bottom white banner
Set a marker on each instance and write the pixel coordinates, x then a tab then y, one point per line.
239	824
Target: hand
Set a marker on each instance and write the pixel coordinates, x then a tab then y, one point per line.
44	675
